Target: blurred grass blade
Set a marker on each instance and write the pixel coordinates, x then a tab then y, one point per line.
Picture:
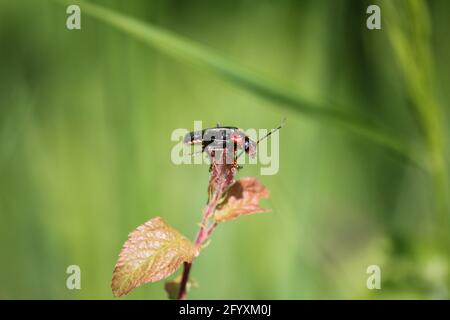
194	53
411	42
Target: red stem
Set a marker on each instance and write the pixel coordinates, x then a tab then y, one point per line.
221	177
202	235
184	280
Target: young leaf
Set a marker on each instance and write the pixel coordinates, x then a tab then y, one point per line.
173	287
152	252
242	198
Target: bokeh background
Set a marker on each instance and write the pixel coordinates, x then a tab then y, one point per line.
85	124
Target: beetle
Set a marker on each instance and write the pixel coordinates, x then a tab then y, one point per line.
227	138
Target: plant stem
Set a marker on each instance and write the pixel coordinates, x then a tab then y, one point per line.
222	177
203	234
184	280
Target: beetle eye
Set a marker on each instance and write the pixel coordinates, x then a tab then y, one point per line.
246	144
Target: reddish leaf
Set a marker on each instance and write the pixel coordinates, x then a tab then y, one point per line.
152	252
242	199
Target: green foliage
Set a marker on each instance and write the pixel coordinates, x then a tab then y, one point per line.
85	125
187	50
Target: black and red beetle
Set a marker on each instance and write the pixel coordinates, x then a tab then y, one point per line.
225	138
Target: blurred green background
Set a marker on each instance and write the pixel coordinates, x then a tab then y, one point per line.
85	124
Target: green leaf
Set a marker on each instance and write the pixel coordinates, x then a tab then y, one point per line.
152	252
242	199
189	51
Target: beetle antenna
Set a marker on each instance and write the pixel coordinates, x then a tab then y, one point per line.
283	121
